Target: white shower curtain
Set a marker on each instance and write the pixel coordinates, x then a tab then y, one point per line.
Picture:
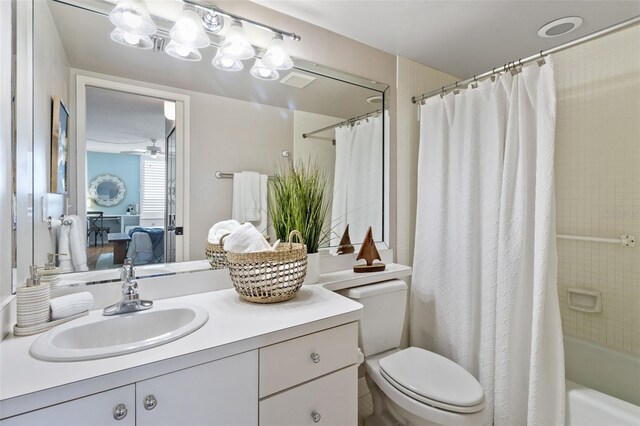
358	185
484	290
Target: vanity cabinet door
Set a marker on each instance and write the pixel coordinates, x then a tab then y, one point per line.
223	392
114	408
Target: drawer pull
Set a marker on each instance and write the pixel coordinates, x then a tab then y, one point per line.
315	358
150	402
120	412
315	416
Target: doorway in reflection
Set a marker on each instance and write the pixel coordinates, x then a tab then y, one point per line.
128	168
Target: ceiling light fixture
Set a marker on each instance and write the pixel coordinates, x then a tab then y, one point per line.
132	16
236	45
560	26
226	64
188	30
212	21
184	53
277	56
262	72
131	40
135	28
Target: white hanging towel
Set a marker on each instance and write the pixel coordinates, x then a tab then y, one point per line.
246	197
72	242
250	193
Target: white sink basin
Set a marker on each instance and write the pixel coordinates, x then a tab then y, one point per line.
98	336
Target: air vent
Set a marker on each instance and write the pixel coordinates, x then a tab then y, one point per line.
297	79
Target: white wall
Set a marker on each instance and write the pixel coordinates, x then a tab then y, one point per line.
50	78
222	131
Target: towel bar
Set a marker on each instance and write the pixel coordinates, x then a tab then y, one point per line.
624	240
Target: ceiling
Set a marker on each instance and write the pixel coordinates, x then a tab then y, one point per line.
118	121
462	38
85	38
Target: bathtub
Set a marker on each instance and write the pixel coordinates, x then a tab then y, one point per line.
603	385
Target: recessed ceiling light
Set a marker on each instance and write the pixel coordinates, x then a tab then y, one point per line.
560	26
377	99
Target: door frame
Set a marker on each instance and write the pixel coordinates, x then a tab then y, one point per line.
84	80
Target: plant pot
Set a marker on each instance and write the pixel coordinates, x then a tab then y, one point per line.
313	268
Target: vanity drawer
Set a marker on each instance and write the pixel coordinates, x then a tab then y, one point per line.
289	363
329	400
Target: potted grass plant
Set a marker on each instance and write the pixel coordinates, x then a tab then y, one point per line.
298	201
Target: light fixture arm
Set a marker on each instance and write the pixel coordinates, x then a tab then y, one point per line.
216	9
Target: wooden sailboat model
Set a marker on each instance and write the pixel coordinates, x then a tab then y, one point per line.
345	246
369	252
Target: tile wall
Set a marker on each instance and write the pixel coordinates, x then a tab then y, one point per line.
598	184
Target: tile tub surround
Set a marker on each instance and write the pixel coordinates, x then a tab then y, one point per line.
598	185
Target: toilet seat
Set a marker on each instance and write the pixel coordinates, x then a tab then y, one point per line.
433	379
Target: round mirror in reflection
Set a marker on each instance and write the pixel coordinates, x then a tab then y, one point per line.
107	190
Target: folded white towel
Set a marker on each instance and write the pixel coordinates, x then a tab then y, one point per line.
246	239
221	228
72	304
247	200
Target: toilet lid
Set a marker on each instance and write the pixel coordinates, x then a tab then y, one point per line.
433	377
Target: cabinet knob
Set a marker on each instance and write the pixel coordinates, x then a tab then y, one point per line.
150	402
315	416
315	358
120	412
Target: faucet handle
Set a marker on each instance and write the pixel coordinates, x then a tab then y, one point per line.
127	271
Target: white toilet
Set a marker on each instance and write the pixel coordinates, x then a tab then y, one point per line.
410	386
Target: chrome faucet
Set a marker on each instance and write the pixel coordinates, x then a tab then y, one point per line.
130	299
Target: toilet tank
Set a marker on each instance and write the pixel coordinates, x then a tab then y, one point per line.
384	305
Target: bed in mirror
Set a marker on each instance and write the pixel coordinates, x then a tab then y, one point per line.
164	127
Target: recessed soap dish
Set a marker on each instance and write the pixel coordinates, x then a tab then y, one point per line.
584	300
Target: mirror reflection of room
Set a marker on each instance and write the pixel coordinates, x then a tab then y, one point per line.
126	143
128	105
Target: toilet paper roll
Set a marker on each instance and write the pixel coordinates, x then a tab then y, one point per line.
360	356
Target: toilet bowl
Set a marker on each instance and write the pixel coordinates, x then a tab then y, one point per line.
411	386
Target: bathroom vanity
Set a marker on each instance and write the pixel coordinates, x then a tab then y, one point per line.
287	363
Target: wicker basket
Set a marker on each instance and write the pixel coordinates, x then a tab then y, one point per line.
216	255
269	277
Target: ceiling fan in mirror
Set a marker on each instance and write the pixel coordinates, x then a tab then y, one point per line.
136	28
152	150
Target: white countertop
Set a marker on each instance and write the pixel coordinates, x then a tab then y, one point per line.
234	326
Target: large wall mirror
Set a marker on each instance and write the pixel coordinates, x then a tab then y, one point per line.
164	127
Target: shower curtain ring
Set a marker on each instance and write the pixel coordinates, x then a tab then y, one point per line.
541	61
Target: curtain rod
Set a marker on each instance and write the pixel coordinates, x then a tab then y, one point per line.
532	58
348	121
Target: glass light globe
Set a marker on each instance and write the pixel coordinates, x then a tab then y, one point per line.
188	30
184	53
263	72
277	56
235	45
131	40
132	16
226	64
